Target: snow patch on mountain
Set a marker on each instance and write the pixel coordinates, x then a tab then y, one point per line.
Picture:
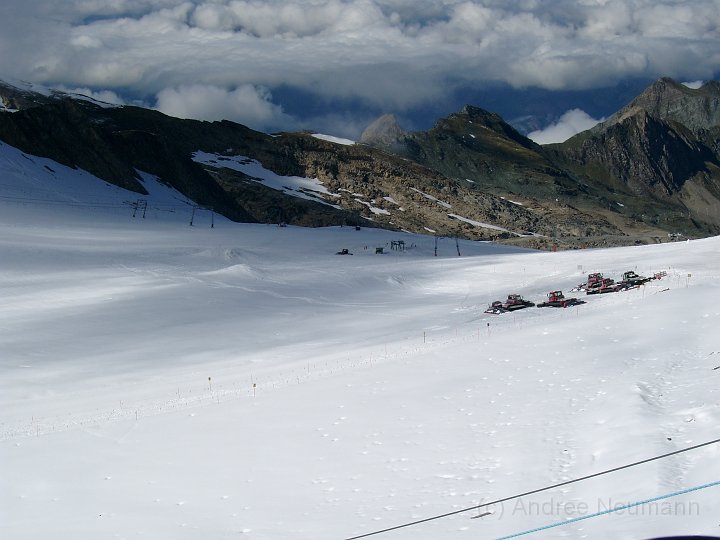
431	198
297	186
479	224
333	139
374	209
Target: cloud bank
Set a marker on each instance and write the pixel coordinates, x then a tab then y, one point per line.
387	54
571	123
104	96
248	105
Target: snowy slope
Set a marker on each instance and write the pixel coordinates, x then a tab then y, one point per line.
36	188
243	381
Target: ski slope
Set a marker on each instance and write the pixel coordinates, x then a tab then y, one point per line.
167	381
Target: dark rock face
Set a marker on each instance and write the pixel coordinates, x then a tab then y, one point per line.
696	109
646	154
79	134
660	153
64	132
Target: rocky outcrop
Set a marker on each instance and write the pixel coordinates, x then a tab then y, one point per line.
659	156
397	193
644	153
385	132
696	109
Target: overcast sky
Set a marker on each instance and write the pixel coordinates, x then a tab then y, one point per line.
279	64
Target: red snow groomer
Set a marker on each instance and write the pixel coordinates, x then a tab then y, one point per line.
513	303
593	281
557	299
606	285
597	284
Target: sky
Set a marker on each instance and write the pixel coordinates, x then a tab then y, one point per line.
335	65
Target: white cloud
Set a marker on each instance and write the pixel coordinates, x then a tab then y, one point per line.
286	19
391	54
247	104
694	84
571	123
105	96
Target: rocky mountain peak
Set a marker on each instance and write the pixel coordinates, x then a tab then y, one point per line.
477	113
481	123
660	152
383	132
668	100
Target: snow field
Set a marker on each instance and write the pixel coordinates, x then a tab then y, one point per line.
177	382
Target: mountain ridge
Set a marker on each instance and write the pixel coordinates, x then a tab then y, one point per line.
471	175
663	148
697	109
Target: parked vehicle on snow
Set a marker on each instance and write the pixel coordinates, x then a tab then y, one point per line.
513	303
606	285
593	281
631	279
557	299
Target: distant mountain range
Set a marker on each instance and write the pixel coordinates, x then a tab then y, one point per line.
649	171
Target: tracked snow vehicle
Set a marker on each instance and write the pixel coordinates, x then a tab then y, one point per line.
557	299
606	285
631	280
593	281
513	303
